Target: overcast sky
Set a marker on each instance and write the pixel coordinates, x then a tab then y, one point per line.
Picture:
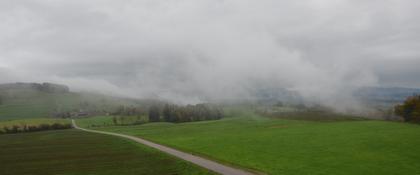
187	49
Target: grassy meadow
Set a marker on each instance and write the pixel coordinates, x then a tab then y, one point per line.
281	146
73	152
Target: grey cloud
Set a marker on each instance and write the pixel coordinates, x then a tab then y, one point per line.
196	50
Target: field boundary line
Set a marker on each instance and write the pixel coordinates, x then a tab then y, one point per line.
200	161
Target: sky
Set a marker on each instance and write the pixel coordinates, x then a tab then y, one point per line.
195	50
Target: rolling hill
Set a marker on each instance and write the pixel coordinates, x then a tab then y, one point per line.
33	100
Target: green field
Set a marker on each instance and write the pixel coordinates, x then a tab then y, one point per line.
280	146
73	152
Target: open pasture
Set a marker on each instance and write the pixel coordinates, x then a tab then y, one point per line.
279	146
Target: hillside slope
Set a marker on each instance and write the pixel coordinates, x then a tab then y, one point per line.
33	100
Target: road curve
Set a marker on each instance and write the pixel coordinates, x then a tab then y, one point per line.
205	163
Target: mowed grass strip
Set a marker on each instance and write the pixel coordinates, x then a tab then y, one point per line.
278	146
73	152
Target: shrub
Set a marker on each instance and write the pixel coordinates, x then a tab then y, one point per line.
68	126
11	130
410	109
114	120
60	126
25	128
15	129
44	126
6	129
33	128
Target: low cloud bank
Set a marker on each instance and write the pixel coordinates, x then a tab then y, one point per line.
192	51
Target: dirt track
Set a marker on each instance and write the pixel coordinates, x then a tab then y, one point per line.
205	163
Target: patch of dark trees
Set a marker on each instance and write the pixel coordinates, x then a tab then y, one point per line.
303	112
129	111
409	109
67	114
160	112
129	115
84	112
176	114
33	128
128	120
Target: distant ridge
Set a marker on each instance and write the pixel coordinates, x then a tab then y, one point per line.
385	94
39	100
44	87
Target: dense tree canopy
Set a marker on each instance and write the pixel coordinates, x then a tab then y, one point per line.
129	111
175	113
154	114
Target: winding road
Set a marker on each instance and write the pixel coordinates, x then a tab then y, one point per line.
205	163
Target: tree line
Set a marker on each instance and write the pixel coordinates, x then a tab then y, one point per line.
129	111
176	114
129	120
32	128
129	115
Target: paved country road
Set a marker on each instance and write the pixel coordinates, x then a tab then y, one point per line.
205	163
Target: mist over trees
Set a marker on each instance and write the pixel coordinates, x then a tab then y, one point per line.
176	114
154	114
410	109
164	112
129	111
129	115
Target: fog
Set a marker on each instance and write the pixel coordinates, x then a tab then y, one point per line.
191	51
